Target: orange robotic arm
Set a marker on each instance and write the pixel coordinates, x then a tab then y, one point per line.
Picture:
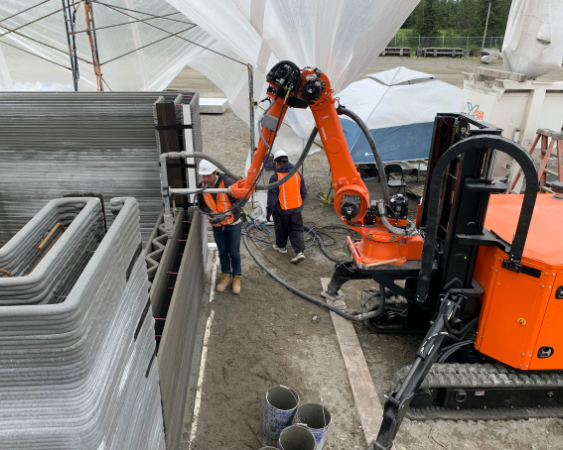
291	87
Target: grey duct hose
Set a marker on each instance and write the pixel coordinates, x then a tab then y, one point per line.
380	167
265	187
296	291
411	228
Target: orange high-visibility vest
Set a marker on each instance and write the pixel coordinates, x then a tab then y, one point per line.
223	204
290	192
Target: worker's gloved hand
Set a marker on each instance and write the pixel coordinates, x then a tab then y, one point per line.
269	216
216	219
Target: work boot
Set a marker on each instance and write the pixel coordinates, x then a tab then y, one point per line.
298	258
277	249
236	284
225	281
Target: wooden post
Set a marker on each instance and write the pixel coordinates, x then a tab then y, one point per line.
486	25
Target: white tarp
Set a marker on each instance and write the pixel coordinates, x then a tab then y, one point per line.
398	97
533	42
399	107
151	67
341	37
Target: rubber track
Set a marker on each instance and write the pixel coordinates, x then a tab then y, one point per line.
485	376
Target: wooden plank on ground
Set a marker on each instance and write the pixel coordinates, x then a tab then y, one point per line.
363	389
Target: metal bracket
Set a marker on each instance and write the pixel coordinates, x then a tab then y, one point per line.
513	266
270	122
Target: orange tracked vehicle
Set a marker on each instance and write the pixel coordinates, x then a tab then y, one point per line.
480	273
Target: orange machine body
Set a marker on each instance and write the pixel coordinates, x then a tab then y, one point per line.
378	245
521	320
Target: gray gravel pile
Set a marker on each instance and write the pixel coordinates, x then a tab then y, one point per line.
81	373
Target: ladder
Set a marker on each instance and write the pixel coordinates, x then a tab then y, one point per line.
556	139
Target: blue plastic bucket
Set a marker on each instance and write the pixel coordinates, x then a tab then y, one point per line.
280	405
297	437
317	418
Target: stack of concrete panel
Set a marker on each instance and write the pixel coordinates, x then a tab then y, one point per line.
53	144
81	373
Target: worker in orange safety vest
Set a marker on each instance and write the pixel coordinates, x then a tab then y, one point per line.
226	223
285	204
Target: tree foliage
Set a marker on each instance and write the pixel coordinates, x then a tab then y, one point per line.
458	17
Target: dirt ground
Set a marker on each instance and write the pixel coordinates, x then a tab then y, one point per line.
268	336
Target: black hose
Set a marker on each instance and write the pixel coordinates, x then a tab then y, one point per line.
379	310
265	187
296	291
411	227
461	333
323	250
378	162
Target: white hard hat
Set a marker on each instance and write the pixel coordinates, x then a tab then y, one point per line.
279	154
206	168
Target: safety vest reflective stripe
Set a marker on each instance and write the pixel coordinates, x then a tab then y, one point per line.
290	192
223	204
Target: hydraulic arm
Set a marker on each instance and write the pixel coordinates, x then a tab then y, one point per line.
387	236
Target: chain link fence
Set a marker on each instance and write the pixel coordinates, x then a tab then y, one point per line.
467	42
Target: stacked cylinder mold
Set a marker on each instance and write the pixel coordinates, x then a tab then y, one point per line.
78	370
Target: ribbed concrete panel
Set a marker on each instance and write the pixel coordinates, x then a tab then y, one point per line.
54	144
178	338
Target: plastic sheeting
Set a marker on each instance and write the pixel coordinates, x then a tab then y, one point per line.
341	37
533	42
150	68
399	107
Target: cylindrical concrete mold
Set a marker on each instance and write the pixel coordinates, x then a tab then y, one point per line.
318	420
297	437
280	405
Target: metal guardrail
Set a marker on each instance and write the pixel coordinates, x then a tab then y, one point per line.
466	42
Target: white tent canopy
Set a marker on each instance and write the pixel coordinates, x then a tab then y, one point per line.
34	48
399	106
341	37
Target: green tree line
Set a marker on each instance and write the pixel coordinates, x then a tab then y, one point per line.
458	18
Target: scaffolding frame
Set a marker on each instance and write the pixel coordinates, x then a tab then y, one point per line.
70	9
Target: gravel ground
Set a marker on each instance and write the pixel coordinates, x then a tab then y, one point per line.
267	336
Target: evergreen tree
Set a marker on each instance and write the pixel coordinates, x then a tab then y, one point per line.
461	17
426	18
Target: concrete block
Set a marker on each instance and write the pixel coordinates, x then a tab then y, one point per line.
213	105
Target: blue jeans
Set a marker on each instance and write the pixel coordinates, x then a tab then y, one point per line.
227	239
